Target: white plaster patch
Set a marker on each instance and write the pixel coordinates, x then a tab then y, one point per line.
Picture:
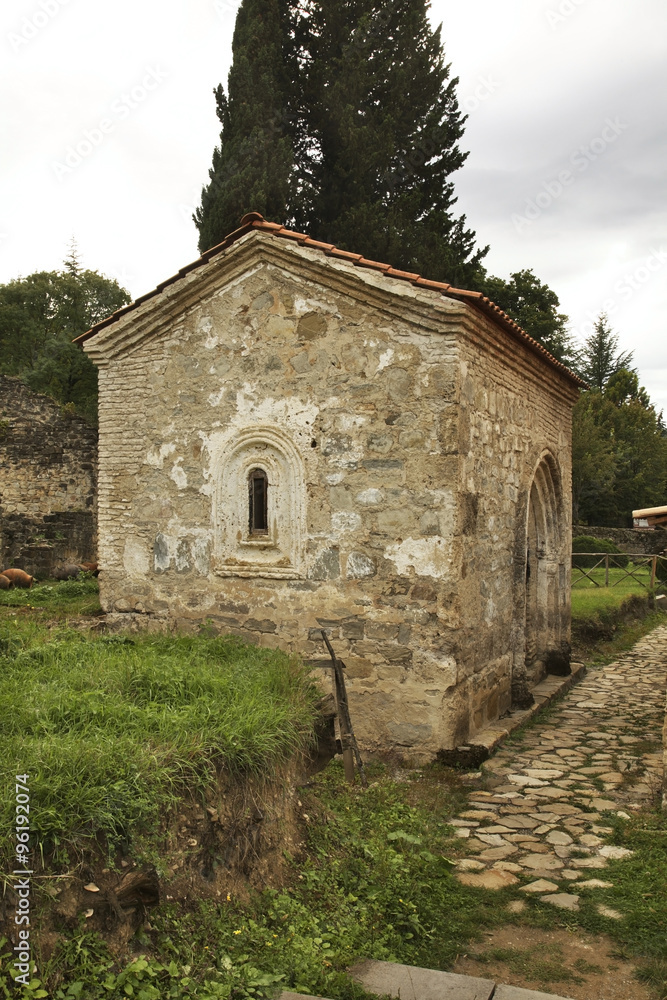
489	612
440	669
360	566
254	407
156	456
426	556
204	327
136	560
215	398
201	554
302	306
178	475
385	359
334	478
350	421
344	521
370	497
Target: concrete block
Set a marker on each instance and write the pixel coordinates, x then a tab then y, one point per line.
411	983
516	993
286	995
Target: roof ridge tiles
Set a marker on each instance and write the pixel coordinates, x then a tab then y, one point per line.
375	265
395	272
436	286
345	254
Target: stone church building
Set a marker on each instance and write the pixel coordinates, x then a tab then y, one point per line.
293	437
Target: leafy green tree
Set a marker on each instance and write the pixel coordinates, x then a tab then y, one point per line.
347	128
534	306
253	165
619	452
593	459
39	317
599	358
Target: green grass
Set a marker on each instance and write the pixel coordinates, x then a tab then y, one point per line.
49	600
112	730
587	603
375	882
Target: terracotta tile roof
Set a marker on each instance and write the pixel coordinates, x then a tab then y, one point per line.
254	221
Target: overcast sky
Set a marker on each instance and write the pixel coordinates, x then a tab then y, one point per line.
567	104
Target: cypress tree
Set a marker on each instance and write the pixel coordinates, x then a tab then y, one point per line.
252	166
381	120
599	359
343	121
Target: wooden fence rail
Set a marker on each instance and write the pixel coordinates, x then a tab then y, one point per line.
610	560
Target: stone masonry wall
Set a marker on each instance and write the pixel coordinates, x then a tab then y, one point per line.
510	414
47	482
348	395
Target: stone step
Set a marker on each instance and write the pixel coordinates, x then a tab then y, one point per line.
412	983
408	982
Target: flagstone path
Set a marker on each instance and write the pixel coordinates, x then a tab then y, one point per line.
546	813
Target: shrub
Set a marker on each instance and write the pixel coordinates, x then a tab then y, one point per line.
586	543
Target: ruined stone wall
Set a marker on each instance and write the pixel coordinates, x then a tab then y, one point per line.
651	543
512	411
47	482
347	395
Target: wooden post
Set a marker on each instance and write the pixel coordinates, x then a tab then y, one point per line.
347	737
606	571
654	569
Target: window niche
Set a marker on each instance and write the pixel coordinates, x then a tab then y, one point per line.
260	506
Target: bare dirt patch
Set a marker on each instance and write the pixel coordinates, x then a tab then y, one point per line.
570	964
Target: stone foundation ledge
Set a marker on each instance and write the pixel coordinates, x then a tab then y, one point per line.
486	742
132	621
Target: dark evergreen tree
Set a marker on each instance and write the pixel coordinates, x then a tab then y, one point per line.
534	306
380	123
599	359
343	121
253	165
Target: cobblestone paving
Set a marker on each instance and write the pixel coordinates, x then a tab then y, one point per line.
546	814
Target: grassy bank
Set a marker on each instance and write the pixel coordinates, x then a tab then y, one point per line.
113	730
607	621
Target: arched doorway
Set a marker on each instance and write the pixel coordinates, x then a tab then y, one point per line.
546	575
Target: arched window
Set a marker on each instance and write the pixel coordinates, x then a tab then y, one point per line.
258	510
259	505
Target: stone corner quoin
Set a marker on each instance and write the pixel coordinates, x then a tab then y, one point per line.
289	442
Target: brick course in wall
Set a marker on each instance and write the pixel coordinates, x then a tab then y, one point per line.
401	433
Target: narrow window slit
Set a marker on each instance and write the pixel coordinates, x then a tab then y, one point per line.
258	488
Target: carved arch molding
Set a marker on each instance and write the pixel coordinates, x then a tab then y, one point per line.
546	574
279	552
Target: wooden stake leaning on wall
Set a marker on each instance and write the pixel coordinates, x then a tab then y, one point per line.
347	737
